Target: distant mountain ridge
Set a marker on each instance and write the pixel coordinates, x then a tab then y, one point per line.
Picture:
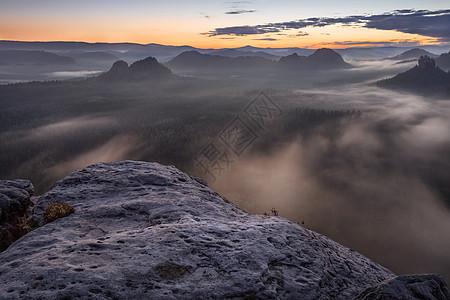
319	60
22	57
66	46
87	56
134	51
240	53
196	60
75	59
415	53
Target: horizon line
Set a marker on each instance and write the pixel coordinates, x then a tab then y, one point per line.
218	48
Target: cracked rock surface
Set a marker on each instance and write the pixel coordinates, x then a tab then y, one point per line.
146	231
15	198
408	287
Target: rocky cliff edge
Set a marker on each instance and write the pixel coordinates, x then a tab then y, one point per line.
146	231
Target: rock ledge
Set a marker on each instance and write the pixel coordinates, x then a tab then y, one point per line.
143	230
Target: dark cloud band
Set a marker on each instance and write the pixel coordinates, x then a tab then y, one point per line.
266	39
422	22
240	11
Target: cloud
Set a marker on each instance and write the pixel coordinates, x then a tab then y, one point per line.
239	2
71	74
379	43
240	11
422	22
242	31
239	7
266	39
67	127
116	149
300	33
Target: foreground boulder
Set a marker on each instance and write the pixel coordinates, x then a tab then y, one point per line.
408	287
146	231
15	198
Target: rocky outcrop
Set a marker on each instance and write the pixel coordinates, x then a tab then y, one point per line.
426	79
146	231
292	61
146	69
118	71
15	198
408	287
327	59
321	59
426	63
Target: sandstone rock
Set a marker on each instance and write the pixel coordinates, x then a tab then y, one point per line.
146	231
118	71
149	68
146	69
426	79
430	287
15	198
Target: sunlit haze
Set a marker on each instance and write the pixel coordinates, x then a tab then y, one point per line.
221	24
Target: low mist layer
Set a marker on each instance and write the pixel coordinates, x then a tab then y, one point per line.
378	183
363	165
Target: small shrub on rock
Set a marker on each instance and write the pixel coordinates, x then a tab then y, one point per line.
170	270
57	210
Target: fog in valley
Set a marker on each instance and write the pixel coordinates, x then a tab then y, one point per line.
361	164
377	183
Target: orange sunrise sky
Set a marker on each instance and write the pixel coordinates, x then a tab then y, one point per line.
226	24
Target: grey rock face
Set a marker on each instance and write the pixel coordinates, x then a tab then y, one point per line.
15	198
146	231
430	287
